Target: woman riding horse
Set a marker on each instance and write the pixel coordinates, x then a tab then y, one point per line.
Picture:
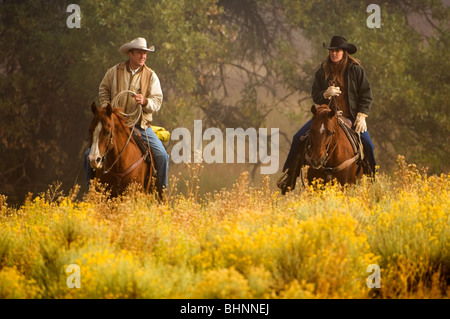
352	94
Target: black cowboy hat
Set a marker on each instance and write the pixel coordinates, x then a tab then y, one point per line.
338	42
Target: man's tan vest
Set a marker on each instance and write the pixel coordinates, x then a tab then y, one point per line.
145	78
127	101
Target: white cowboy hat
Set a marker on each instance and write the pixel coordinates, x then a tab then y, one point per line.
138	43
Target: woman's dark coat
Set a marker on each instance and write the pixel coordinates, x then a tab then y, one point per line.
358	89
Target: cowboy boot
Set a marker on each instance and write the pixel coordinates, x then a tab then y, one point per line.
288	180
282	182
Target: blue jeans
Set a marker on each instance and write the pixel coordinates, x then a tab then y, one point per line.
160	158
295	147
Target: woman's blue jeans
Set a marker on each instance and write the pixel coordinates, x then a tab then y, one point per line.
295	147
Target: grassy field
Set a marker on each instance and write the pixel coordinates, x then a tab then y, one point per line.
244	242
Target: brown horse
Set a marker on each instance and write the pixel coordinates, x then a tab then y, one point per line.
329	152
115	156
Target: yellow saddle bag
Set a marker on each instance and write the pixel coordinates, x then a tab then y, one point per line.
161	132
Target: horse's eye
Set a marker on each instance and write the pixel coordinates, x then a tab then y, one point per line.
108	132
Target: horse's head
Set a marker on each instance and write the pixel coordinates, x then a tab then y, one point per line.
101	131
323	127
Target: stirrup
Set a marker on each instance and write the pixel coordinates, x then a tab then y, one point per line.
282	181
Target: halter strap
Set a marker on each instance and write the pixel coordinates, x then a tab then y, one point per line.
131	168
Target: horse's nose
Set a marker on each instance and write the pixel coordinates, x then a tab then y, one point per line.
95	161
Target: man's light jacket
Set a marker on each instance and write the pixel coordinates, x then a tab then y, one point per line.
144	81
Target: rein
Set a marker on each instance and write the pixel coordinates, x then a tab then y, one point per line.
110	144
106	171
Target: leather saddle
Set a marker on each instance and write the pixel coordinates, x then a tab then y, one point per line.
145	149
352	136
355	141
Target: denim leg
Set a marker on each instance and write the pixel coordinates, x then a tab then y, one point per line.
159	153
295	146
368	149
90	174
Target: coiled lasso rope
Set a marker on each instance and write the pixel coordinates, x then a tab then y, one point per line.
132	117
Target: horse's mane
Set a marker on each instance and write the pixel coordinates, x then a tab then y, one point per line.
118	111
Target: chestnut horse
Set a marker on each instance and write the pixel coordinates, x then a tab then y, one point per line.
114	155
329	152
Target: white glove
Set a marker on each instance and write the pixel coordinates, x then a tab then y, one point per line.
332	91
360	123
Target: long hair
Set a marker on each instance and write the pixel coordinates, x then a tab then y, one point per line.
337	70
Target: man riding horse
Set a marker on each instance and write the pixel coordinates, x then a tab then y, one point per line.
352	93
133	75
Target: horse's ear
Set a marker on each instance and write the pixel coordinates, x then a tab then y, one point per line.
108	110
333	108
94	108
313	109
332	113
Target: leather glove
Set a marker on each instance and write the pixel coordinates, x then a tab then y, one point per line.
360	123
332	91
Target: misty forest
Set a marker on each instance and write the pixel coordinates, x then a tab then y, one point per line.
229	63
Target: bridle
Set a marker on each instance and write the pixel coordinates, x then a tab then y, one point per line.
324	159
110	145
